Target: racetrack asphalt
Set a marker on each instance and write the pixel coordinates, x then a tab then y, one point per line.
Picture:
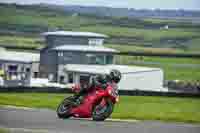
44	120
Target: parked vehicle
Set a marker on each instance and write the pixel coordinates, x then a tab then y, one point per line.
98	104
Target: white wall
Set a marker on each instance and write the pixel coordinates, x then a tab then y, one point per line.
152	81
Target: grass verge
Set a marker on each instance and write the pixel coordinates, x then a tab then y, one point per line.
3	130
130	107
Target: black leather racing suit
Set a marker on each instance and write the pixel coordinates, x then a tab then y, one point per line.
99	80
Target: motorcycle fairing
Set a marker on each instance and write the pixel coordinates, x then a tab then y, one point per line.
85	109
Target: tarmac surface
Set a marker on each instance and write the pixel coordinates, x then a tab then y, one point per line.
44	120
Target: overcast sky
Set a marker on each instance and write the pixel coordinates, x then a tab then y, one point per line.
152	4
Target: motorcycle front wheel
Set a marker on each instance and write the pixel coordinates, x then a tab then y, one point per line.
100	113
63	110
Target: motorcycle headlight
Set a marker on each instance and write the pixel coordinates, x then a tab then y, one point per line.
110	92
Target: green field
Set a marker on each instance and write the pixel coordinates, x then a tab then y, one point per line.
174	69
130	107
21	27
33	20
20	42
132	48
146	34
186	69
179	73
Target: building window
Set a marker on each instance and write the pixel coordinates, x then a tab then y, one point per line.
36	74
109	59
27	70
51	77
96	59
62	79
96	42
12	72
12	68
60	54
100	60
70	78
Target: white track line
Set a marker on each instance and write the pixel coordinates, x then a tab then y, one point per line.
13	130
16	107
122	120
109	119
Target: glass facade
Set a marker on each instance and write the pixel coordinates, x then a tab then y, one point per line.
109	59
100	59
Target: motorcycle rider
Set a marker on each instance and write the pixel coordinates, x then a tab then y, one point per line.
100	81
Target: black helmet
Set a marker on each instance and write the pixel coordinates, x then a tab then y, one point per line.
115	75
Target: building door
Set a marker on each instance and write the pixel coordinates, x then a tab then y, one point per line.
70	77
12	72
62	80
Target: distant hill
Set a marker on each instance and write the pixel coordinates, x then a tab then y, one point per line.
21	21
129	12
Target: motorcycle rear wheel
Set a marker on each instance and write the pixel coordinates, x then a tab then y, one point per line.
63	110
102	113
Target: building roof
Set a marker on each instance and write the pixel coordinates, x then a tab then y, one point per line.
84	48
77	34
23	57
105	69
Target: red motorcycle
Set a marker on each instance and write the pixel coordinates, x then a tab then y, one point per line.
98	104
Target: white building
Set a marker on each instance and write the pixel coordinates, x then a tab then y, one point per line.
133	78
19	67
72	57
